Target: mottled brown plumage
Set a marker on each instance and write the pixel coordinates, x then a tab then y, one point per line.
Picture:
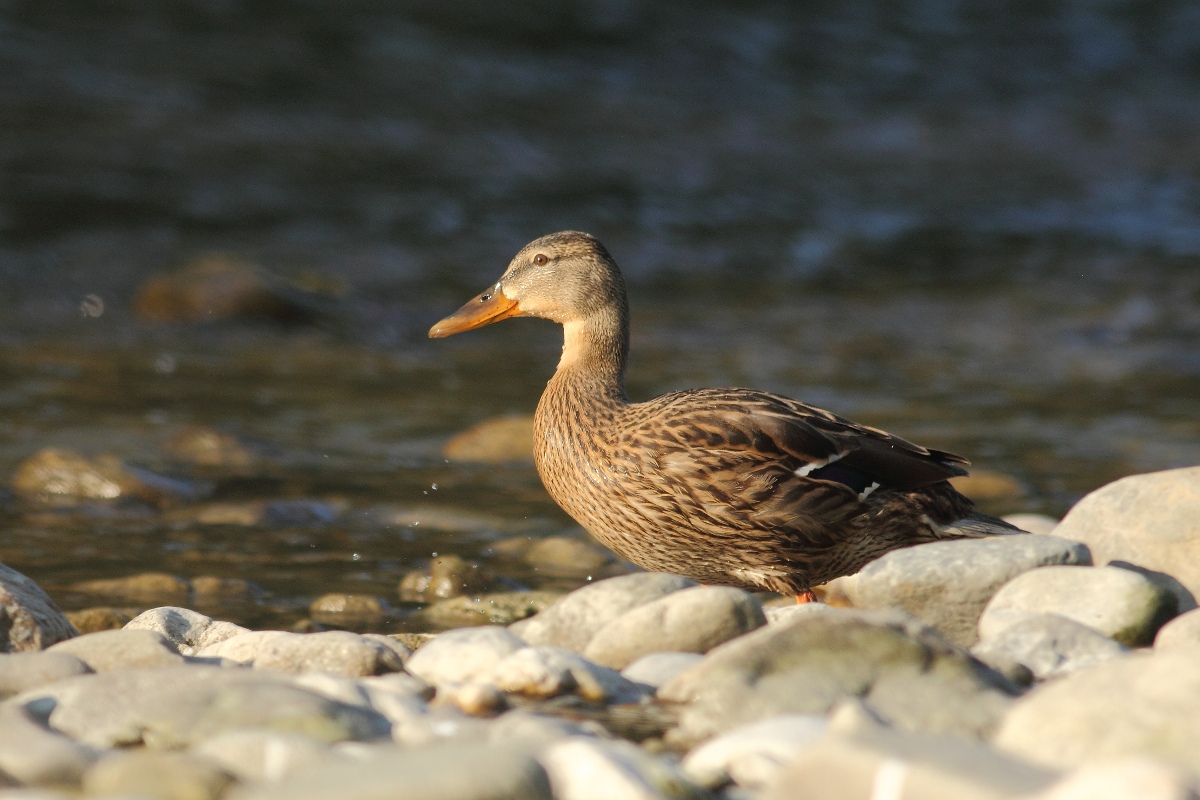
726	486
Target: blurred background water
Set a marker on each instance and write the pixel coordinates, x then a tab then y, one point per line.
975	226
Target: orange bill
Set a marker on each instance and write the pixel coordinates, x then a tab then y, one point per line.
486	308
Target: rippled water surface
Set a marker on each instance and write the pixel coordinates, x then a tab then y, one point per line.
984	242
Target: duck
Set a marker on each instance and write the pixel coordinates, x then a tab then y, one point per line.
731	487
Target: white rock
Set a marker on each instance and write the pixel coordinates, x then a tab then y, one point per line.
1118	603
1124	779
32	754
190	630
655	669
692	620
1049	645
260	755
335	652
1183	631
462	655
105	651
751	755
592	769
572	621
552	671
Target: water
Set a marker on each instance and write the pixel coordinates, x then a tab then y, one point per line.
984	242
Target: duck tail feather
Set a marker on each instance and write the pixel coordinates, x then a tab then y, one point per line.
977	525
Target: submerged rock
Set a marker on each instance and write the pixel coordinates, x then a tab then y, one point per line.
29	619
503	608
494	440
209	447
157	588
448	576
101	618
63	475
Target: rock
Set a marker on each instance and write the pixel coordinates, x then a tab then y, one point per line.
336	652
413	641
1126	778
1117	603
121	649
463	655
881	763
209	447
36	756
1152	520
452	771
783	614
29	619
396	683
188	630
348	609
101	618
593	769
63	475
553	671
20	672
488	609
297	512
258	755
691	621
573	620
560	556
948	584
157	775
1140	705
211	590
157	588
221	286
1183	631
987	484
910	676
1039	524
473	699
1049	645
448	576
493	441
402	651
752	755
656	669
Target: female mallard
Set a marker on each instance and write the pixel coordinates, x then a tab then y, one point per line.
726	486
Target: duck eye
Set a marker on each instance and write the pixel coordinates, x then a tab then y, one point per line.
540	259
483	298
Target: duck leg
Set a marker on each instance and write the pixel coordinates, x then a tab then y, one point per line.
806	596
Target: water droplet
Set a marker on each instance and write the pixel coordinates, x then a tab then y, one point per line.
434	487
92	306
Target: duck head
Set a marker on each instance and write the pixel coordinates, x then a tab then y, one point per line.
566	277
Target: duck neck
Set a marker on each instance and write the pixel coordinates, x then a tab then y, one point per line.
593	357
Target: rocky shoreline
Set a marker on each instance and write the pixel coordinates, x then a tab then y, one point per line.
1055	666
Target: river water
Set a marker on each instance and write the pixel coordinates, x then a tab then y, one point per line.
979	229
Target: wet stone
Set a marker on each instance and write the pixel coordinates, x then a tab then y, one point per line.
451	771
911	676
594	769
1150	520
560	556
36	756
503	608
101	618
463	655
188	630
29	619
106	651
209	447
448	576
347	608
413	641
656	669
1144	704
1049	645
948	584
752	755
572	621
157	775
336	652
65	476
692	620
21	672
156	588
211	590
220	286
1118	603
493	441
